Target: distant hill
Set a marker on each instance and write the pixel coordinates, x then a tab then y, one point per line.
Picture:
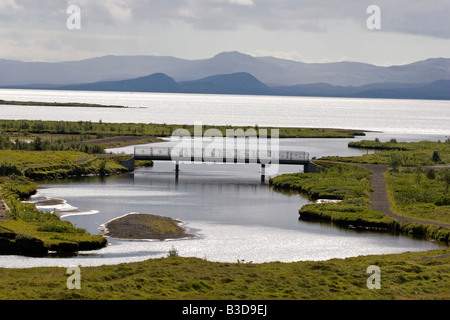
436	90
158	82
244	83
269	70
235	83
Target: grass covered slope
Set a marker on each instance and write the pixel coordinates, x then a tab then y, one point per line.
102	130
347	182
336	181
421	275
57	104
420	193
412	195
52	164
421	153
31	232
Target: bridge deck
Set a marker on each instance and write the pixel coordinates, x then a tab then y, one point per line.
221	156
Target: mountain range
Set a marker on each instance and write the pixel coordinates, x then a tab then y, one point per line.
234	73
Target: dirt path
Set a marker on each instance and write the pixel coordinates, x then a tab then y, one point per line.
379	199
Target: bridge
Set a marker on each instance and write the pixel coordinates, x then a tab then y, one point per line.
213	155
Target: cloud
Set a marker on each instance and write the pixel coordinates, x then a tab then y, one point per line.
192	28
242	2
402	16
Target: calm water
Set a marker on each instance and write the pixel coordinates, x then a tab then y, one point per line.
390	116
233	215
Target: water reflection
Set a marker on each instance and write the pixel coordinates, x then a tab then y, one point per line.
225	205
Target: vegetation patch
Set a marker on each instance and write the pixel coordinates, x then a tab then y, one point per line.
335	181
347	182
347	214
103	130
419	275
57	104
146	226
423	153
420	193
32	232
58	164
414	192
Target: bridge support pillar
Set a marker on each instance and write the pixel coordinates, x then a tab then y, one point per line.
177	170
263	172
310	167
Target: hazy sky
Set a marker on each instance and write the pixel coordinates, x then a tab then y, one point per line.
303	30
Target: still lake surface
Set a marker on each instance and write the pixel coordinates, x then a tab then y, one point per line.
233	215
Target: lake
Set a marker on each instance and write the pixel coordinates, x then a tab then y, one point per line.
418	117
233	215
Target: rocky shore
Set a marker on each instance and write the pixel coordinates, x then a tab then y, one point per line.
4	209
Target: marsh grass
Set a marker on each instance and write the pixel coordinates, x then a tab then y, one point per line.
422	275
25	219
58	164
101	129
337	181
417	194
347	182
408	153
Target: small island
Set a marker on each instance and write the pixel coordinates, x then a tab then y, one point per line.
139	226
56	104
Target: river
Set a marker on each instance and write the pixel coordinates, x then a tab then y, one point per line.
233	215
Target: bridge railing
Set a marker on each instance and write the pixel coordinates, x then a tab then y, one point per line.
181	153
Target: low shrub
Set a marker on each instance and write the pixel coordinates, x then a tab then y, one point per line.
7	169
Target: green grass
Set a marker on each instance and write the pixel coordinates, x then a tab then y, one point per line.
346	182
403	276
57	104
25	219
55	234
351	184
337	181
57	164
414	194
101	129
410	153
17	186
33	159
348	214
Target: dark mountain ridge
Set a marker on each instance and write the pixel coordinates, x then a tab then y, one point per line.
268	70
246	84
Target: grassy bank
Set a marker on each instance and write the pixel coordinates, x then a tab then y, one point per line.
31	232
417	183
102	130
59	164
336	181
424	275
346	182
412	195
420	193
423	153
56	104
